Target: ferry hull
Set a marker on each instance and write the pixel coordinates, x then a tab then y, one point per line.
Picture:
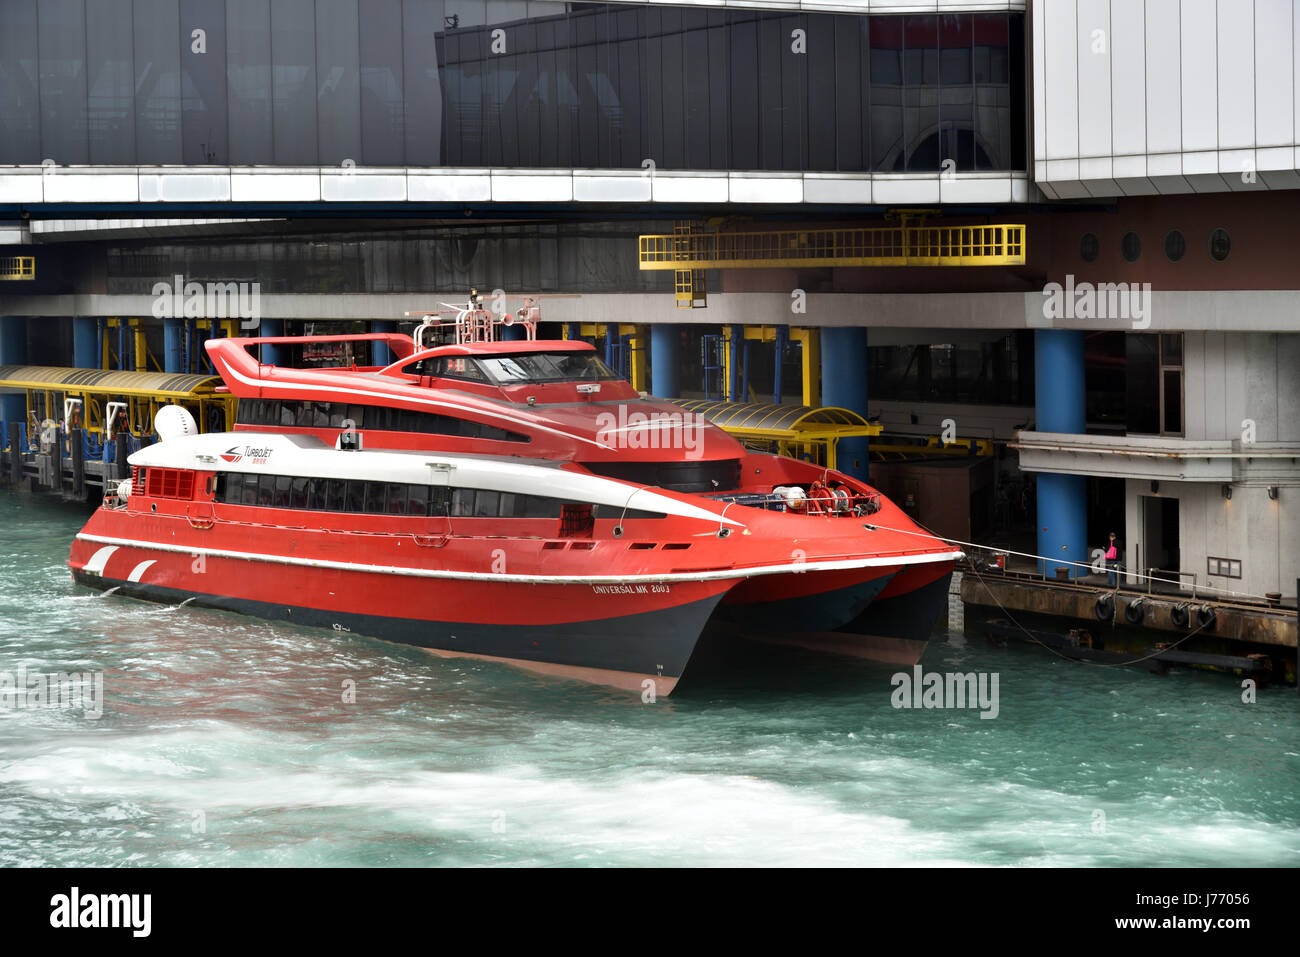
909	607
639	636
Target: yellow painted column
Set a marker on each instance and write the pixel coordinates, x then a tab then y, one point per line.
810	346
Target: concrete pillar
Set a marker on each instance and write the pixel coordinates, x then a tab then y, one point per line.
173	345
844	385
13	352
272	355
1061	406
665	361
85	343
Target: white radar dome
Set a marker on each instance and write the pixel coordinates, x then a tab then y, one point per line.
173	421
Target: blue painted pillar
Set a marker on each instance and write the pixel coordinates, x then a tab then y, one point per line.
665	361
272	354
173	345
513	333
125	352
85	343
13	352
1060	406
844	385
611	345
382	354
782	340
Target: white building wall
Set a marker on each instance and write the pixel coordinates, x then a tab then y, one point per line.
1249	527
1135	97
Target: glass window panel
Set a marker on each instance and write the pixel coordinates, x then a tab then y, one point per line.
20	131
743	40
383	127
203	82
1173	399
885	110
336	495
356	496
293	82
282	486
248	81
110	112
395	498
338	82
300	493
422	58
923	145
62	39
157	82
485	503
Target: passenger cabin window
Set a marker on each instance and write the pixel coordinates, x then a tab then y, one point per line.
525	367
279	413
394	498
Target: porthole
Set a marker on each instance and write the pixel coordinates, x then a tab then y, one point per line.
1175	245
1089	247
1130	247
1220	245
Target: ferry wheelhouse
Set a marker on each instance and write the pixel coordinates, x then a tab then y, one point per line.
514	500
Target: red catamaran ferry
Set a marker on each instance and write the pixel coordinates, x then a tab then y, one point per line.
506	499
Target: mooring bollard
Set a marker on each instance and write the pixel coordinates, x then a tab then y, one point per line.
78	451
121	449
56	462
15	453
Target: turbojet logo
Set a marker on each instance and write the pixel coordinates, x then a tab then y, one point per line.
212	300
1105	300
103	910
655	430
935	690
255	456
66	690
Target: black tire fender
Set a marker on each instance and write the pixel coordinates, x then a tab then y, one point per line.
1179	616
1105	607
1135	611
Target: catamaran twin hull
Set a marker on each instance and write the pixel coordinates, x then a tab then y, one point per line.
616	594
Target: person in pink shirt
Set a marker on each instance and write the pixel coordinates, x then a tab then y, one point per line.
1112	559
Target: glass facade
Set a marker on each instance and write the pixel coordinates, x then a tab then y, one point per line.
504	83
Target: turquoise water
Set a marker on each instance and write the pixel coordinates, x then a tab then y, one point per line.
225	741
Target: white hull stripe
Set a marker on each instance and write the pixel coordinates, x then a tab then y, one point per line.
98	560
720	574
138	572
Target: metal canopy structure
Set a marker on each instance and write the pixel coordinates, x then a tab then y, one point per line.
82	397
161	385
799	431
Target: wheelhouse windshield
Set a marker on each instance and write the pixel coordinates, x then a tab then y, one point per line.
545	367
